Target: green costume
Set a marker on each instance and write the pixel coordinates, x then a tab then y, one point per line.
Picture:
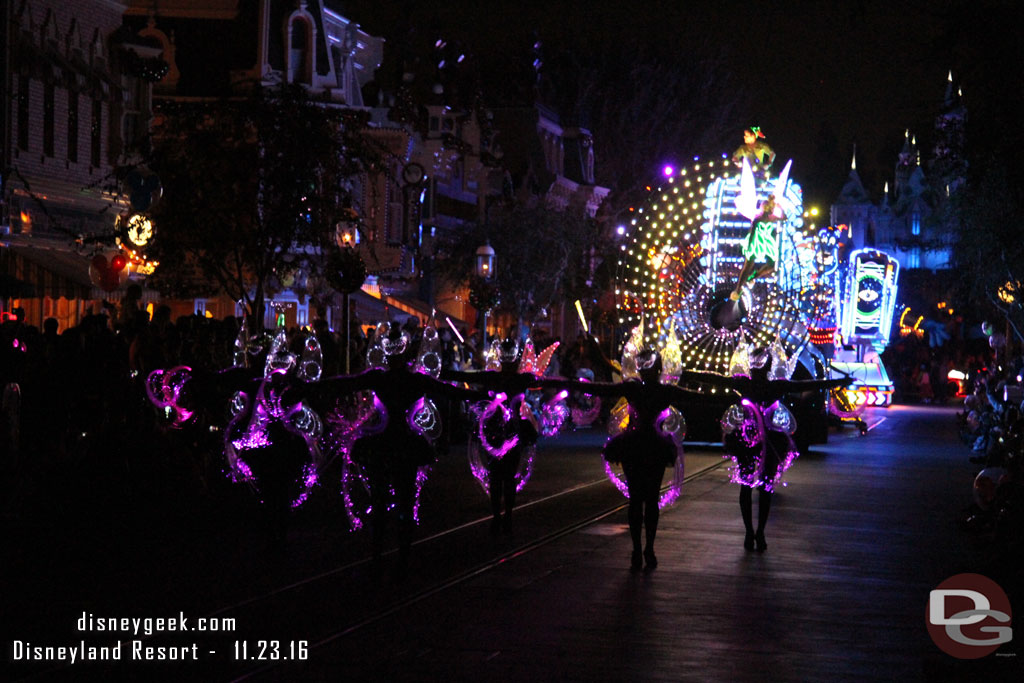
762	242
758	154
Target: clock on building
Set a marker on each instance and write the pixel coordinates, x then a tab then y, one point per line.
413	174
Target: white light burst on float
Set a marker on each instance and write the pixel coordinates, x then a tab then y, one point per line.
684	254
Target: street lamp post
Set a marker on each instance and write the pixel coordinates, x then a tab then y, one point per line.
348	270
485	261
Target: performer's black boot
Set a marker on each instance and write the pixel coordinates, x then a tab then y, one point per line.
746	510
651	516
636	521
764	506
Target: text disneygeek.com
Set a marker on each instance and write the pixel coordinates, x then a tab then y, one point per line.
138	647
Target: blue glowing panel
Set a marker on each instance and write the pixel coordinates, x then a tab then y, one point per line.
869	298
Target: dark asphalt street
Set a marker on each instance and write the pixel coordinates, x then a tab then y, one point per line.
865	529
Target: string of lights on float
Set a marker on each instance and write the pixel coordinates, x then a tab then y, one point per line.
683	255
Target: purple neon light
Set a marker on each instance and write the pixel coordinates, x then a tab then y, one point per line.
619	482
494	406
753	432
483	475
163	389
675	488
254	438
480	473
423	419
553	414
309	480
241	472
669	496
421	479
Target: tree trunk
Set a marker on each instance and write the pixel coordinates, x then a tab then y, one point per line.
256	312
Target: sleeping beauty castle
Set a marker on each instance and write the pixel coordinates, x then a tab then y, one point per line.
911	222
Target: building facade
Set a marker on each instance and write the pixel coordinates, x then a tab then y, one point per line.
84	79
76	104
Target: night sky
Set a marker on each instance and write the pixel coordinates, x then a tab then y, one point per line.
818	77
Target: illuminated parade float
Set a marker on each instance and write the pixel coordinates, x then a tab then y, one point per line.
719	265
867	306
685	257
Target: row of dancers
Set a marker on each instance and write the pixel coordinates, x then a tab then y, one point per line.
277	422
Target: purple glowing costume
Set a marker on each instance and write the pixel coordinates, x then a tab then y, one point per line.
756	432
508	432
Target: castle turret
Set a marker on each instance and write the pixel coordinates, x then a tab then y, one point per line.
853	206
909	158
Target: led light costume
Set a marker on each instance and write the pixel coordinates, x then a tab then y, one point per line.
757	430
646	440
501	457
270	443
267	428
389	452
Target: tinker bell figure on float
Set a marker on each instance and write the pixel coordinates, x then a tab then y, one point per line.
761	248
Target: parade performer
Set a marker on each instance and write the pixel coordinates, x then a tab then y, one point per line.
393	455
270	443
642	449
509	431
757	431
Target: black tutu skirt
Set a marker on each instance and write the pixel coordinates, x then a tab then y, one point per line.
640	446
399	445
756	466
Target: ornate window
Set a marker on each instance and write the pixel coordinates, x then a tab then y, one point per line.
23	95
300	49
73	126
96	133
48	123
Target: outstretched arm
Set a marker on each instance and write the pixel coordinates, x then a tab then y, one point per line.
209	391
482	378
595	388
326	391
429	385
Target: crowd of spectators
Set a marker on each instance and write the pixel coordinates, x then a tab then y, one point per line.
982	377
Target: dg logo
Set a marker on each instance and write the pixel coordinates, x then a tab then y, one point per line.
968	616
